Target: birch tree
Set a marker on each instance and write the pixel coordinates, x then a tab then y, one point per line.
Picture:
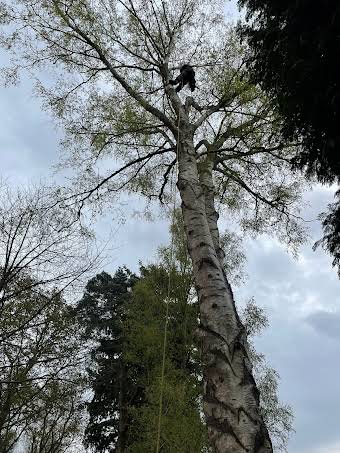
127	130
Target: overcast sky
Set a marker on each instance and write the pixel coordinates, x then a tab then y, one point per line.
301	296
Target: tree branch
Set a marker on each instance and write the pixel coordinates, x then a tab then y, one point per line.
272	203
166	179
223	101
142	101
120	170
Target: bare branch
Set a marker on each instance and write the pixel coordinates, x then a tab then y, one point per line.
166	179
87	194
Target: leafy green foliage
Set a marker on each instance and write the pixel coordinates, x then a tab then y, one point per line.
39	352
294	56
111	95
125	317
182	429
331	227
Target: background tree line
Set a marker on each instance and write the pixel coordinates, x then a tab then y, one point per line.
89	373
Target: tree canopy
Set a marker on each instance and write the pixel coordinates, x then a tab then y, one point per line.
294	48
111	63
127	130
41	379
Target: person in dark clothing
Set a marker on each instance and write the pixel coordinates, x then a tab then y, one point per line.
186	76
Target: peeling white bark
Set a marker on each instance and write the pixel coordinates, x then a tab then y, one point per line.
231	399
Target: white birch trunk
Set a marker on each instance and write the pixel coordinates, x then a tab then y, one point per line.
231	398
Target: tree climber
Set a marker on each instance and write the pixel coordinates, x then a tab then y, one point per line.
186	76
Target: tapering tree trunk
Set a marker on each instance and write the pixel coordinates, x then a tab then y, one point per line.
231	398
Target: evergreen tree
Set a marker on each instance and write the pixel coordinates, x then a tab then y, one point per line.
102	312
294	55
294	48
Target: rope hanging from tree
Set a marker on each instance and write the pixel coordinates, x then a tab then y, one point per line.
165	336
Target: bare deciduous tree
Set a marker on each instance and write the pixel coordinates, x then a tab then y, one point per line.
42	247
58	426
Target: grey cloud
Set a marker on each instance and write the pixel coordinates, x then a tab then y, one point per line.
326	323
309	370
298	344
